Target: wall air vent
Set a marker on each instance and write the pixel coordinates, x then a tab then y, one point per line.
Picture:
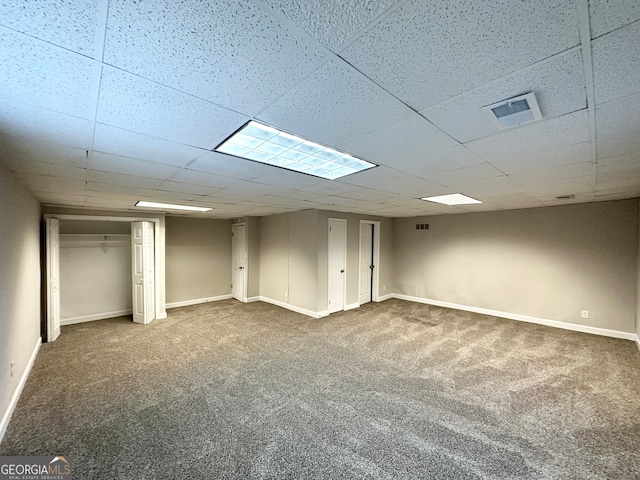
514	111
565	197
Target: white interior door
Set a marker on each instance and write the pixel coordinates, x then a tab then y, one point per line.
366	263
143	272
53	278
238	262
337	259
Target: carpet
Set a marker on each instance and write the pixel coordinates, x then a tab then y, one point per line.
389	390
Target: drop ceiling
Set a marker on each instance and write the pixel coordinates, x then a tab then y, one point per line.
107	102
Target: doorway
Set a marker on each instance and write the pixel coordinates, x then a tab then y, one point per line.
337	260
368	277
239	262
154	306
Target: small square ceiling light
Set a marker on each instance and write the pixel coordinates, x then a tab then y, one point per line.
452	199
270	146
514	111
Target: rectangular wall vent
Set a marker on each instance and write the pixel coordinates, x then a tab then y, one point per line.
514	111
422	226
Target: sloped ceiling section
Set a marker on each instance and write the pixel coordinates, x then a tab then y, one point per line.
107	102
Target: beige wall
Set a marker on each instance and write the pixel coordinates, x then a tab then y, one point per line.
198	258
19	284
274	257
638	281
547	263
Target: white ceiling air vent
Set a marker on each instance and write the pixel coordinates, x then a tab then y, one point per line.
514	111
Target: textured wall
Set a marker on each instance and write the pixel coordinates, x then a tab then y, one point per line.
19	282
548	263
198	258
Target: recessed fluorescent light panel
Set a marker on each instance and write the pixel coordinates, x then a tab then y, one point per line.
268	145
452	199
169	206
514	111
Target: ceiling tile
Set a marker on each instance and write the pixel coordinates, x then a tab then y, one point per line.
619	117
558	84
230	166
334	105
203	179
453	178
615	146
459	48
40	125
555	188
71	25
450	158
534	139
609	15
185	188
123	180
42	75
17	149
616	64
557	174
231	53
50	183
133	103
620	164
41	168
331	22
536	160
126	143
104	162
405	139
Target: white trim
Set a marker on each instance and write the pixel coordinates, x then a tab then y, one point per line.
18	391
196	301
323	313
524	318
351	306
637	341
245	255
385	297
162	315
253	299
288	306
97	316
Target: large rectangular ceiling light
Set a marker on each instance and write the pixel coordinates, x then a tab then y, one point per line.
170	206
452	199
268	145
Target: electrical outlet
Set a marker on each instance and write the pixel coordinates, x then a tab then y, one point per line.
12	364
286	294
584	314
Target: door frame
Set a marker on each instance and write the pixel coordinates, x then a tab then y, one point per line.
344	276
376	258
161	311
245	256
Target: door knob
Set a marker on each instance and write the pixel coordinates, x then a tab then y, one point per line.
341	271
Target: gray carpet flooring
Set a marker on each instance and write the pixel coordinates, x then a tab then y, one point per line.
389	390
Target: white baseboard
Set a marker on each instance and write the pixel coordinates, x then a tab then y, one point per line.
253	299
161	315
385	297
196	301
323	313
91	318
6	417
351	306
523	318
288	306
637	341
